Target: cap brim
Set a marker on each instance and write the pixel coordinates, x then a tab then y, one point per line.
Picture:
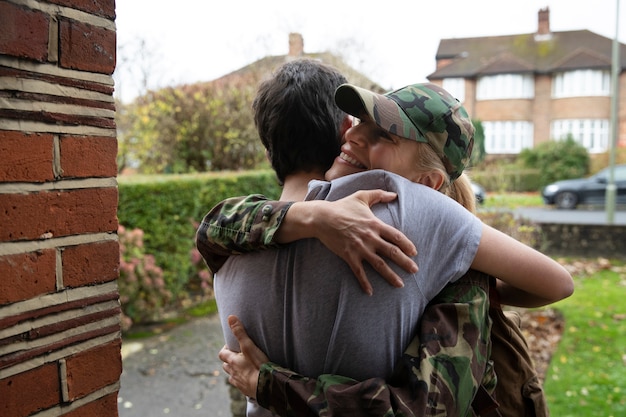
383	110
352	99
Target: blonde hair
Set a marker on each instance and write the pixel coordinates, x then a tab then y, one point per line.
459	190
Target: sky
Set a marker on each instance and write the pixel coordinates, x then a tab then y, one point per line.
394	42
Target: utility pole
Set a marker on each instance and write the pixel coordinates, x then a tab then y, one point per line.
616	67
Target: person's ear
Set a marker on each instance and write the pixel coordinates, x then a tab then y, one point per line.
433	179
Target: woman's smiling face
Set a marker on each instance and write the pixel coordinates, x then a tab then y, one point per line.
368	146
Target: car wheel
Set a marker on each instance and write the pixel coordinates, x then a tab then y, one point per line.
566	200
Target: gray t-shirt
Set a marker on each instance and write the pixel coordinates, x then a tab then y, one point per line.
304	308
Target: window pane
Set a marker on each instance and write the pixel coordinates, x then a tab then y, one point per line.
593	134
507	137
505	86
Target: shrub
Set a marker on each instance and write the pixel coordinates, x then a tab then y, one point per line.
142	287
557	160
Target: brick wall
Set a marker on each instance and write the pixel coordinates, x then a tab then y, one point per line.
59	255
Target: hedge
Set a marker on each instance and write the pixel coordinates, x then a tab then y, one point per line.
169	208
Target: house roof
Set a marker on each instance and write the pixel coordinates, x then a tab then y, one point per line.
264	67
525	53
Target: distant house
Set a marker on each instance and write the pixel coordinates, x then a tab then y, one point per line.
263	68
530	88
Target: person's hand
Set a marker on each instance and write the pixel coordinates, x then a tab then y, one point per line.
349	229
242	368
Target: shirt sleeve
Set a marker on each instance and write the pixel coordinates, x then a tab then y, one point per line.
438	376
239	225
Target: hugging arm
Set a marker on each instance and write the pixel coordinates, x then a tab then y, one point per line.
527	278
438	376
347	227
238	225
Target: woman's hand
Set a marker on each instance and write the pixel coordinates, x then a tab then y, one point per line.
350	230
242	368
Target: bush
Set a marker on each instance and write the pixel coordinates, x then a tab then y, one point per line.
142	287
502	178
557	160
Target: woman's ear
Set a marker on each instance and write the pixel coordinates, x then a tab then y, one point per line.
432	179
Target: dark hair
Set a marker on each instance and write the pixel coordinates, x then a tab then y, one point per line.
297	118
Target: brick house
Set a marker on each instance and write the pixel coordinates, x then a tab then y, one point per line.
530	88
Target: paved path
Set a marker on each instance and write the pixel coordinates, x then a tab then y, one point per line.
176	373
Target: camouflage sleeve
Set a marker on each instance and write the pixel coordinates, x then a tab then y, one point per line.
439	373
238	225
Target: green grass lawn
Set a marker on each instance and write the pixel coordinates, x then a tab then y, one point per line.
587	374
512	200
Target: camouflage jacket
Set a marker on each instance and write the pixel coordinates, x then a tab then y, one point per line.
439	374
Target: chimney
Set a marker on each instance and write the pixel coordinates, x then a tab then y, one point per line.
296	45
543	24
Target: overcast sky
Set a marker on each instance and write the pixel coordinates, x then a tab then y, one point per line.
393	42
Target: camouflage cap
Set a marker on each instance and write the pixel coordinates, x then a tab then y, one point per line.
421	112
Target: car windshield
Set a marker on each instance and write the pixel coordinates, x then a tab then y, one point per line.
619	174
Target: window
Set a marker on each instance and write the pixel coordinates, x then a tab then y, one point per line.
581	83
456	87
505	86
593	134
507	137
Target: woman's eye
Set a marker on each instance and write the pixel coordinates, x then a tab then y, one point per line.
355	121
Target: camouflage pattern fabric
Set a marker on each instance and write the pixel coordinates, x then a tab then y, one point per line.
238	225
439	374
421	112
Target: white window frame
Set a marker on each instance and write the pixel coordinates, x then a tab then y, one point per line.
593	134
581	83
456	87
508	136
505	86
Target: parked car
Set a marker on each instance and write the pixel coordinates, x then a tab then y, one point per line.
567	194
479	192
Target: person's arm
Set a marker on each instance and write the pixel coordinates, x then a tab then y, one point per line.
238	225
437	377
347	227
527	278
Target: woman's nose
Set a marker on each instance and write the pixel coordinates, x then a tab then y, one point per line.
355	136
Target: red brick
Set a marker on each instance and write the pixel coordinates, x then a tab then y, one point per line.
86	47
57	213
26	275
26	157
88	156
90	264
31	391
93	369
102	407
24	32
104	8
